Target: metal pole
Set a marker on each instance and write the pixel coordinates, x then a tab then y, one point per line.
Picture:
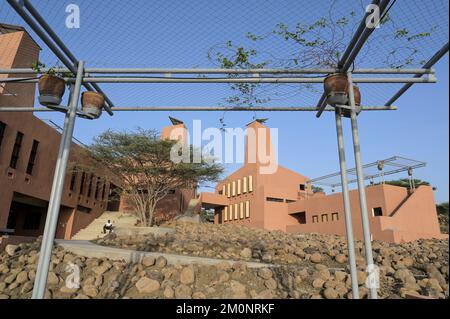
57	189
219	71
347	210
361	189
203	108
273	80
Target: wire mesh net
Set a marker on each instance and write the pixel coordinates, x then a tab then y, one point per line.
186	34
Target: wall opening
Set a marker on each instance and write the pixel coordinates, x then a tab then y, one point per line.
377	211
300	217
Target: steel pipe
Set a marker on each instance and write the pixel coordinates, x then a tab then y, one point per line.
217	71
347	208
205	108
361	191
267	80
51	221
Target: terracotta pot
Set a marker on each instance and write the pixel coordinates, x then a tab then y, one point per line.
92	103
51	89
335	83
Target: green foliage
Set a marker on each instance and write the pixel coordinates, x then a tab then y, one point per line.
142	162
316	189
38	66
404	182
442	208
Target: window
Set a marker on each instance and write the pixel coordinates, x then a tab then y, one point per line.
73	179
230	209
335	217
233	188
97	188
250	183
244	184
315	219
241	210
273	199
32	221
224	190
235	211
32	158
247	209
324	217
239	186
377	211
2	132
16	150
220	192
83	209
90	185
302	187
103	190
82	183
228	190
290	200
225	213
301	217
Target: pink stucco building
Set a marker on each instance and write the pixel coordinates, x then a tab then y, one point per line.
284	201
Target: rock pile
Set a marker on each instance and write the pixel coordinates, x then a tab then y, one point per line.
323	257
306	266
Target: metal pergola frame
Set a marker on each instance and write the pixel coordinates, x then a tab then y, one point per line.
391	161
84	78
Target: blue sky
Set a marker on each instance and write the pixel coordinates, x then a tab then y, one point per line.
180	33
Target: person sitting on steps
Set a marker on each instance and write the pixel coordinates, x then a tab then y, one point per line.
108	226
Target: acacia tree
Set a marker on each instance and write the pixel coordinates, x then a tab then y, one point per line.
141	160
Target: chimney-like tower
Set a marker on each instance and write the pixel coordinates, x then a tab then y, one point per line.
176	131
17	50
258	146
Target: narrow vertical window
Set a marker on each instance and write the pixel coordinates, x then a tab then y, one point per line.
90	185
247	209
250	183
225	213
230	210
97	188
32	158
16	150
236	211
2	132
241	210
233	188
228	190
82	183
244	184
73	179
103	190
224	190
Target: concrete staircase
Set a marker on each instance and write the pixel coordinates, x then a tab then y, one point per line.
95	229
